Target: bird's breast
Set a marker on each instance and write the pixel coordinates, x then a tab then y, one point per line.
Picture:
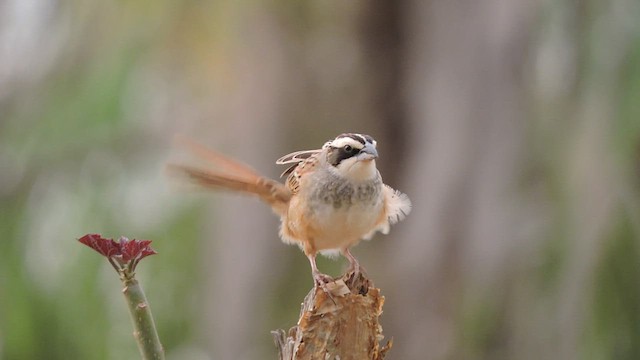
343	212
343	195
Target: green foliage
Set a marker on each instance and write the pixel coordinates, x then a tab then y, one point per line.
614	329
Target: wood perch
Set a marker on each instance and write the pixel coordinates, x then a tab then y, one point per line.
345	328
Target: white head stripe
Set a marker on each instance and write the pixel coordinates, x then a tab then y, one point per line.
361	137
347	141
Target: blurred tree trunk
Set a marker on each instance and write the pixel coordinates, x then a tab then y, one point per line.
245	121
465	101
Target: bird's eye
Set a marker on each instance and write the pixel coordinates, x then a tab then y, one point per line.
348	148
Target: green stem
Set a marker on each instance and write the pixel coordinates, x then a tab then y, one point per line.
144	327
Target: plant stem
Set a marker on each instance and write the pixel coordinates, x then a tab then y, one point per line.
144	327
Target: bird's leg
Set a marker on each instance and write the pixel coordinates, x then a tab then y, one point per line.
354	265
319	278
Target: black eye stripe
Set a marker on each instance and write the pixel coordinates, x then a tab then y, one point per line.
336	155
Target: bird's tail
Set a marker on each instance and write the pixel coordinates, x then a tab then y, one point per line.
220	172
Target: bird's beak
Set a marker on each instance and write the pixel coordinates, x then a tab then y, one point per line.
369	152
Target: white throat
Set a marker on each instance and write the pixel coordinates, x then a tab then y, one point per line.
355	170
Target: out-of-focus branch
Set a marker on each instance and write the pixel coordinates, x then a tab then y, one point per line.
345	327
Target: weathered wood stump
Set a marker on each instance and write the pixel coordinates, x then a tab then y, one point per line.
343	328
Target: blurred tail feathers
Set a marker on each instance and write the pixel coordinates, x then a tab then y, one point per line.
219	172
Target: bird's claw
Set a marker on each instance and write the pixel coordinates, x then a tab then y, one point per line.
322	280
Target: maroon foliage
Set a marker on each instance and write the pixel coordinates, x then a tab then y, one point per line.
124	254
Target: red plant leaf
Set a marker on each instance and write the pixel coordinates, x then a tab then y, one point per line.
121	252
135	249
106	247
128	249
147	251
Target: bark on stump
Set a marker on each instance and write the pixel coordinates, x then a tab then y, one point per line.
347	329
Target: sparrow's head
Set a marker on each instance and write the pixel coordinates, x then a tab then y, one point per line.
352	155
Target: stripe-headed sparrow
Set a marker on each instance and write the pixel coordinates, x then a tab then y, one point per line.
333	197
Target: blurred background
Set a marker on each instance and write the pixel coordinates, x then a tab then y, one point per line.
513	125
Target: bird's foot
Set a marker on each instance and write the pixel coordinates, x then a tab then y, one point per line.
322	280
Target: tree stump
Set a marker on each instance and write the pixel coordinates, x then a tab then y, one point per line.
343	328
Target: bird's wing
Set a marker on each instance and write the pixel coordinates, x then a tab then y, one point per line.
396	207
295	158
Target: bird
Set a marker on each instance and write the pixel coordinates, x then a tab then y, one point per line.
333	197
